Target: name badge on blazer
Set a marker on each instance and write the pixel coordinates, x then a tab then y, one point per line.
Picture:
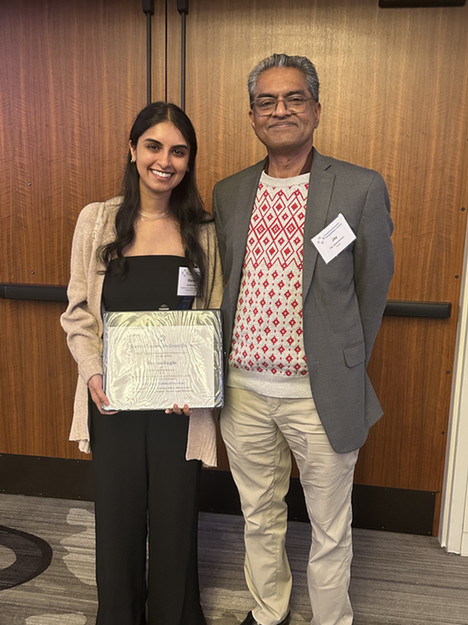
334	238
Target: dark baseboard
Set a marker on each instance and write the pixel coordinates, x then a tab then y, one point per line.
374	507
45	477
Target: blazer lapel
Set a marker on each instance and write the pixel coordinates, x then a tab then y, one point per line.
242	209
318	202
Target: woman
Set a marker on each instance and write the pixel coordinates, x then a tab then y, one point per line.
126	255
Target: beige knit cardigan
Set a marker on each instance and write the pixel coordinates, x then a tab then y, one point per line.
82	319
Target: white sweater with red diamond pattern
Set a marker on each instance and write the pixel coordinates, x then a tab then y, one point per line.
267	354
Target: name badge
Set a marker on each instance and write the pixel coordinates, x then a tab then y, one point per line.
186	284
333	239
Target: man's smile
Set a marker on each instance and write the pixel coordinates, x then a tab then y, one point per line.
282	124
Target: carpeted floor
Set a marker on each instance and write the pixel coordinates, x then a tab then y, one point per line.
27	557
397	579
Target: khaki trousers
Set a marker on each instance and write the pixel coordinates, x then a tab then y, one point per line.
259	432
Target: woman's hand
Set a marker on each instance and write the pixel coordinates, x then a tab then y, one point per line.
97	394
175	408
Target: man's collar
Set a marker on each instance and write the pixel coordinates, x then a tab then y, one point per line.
307	165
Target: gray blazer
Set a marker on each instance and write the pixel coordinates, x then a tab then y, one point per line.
343	302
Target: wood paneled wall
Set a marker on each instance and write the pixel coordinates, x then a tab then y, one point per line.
394	91
72	78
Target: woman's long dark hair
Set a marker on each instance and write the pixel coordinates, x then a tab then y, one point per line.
185	203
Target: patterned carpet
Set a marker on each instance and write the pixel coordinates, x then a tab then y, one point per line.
397	579
27	557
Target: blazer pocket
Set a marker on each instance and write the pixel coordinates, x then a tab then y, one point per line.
355	355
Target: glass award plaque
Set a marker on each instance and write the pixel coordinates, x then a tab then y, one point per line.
154	359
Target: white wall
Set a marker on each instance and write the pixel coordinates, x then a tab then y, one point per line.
453	533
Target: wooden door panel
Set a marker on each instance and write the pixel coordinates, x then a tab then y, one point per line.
73	77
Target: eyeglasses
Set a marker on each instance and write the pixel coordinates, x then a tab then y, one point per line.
267	106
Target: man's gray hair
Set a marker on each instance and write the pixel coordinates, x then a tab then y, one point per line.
283	60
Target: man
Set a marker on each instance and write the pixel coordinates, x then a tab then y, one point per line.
307	259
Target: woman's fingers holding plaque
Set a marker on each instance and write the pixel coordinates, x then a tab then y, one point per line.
178	410
97	394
